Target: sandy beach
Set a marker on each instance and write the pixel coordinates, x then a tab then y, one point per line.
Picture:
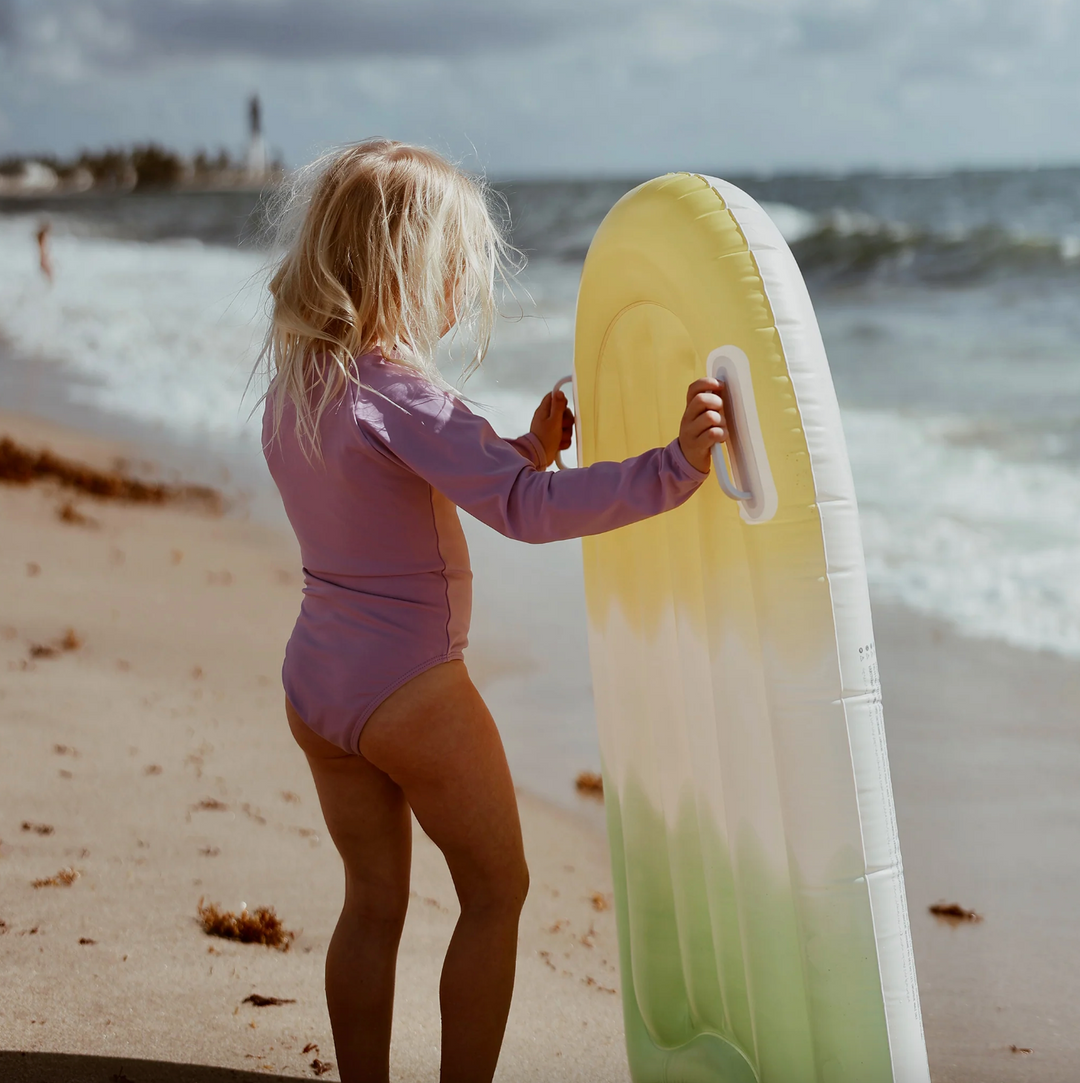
147	753
153	760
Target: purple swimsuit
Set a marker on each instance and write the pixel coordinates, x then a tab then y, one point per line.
387	584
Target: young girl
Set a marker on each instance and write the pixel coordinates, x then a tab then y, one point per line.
373	455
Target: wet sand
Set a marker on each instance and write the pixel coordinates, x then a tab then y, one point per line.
984	742
169	707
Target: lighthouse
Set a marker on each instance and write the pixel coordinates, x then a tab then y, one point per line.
256	150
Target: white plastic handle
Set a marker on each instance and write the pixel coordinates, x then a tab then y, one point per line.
558	454
753	487
723	475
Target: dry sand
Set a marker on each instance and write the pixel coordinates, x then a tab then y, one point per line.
172	702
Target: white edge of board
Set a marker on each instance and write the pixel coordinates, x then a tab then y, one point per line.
834	491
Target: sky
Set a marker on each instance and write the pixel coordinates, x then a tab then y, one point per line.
558	87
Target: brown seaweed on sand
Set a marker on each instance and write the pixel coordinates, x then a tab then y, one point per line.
953	913
64	878
19	465
69	641
210	804
260	1001
262	926
68	513
590	783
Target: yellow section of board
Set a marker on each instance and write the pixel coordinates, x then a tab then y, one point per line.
658	325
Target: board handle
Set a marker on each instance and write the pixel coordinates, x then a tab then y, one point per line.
558	454
742	463
723	472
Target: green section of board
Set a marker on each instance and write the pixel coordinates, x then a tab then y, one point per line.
692	1015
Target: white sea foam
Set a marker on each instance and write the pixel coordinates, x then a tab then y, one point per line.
167	334
794	223
961	532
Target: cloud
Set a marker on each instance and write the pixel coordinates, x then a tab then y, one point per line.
7	21
137	32
557	85
105	34
848	31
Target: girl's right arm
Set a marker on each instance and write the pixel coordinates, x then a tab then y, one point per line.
460	455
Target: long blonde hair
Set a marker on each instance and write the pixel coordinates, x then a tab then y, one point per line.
386	246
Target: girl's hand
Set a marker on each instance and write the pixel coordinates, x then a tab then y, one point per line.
553	425
702	426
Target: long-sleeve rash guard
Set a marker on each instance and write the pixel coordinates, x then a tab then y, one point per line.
387	582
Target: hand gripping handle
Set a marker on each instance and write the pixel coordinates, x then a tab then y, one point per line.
558	454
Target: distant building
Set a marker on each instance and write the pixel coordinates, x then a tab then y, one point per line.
32	179
257	164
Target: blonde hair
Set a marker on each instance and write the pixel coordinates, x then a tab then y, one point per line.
387	245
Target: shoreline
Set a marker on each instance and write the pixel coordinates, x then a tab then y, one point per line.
982	746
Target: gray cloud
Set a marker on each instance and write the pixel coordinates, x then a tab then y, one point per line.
136	32
548	85
7	21
319	27
839	31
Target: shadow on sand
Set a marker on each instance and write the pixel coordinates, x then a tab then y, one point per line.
18	1067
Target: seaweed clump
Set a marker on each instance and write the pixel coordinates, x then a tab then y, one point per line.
953	913
261	926
64	878
590	783
19	465
70	641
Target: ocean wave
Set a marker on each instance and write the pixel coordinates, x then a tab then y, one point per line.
841	245
960	531
164	333
848	246
557	219
846	230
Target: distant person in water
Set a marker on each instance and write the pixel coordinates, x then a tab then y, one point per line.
44	234
391	248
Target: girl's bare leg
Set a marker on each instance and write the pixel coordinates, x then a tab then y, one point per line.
433	746
436	739
368	820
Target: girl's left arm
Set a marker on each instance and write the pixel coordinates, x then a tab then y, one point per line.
531	448
460	455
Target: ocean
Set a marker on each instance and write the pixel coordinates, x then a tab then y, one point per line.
948	304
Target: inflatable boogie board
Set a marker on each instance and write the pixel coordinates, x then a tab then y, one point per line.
759	892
